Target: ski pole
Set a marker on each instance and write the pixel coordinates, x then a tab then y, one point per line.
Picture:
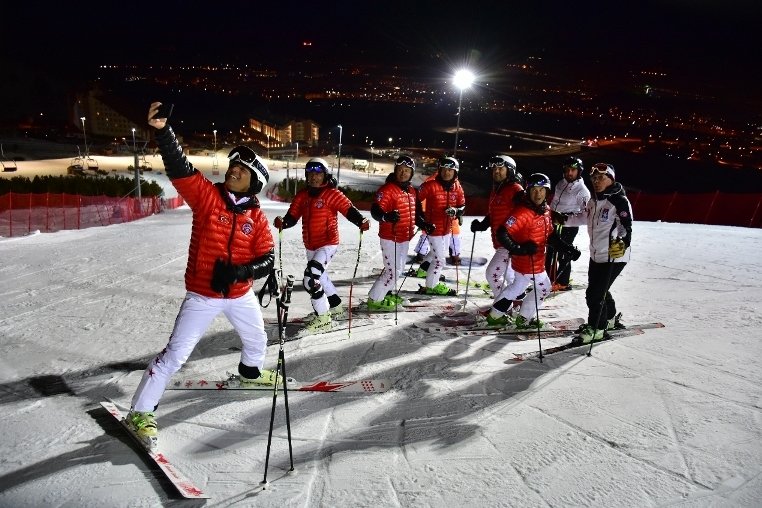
352	285
468	275
603	305
282	304
394	239
536	305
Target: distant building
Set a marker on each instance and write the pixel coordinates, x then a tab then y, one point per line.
305	132
108	116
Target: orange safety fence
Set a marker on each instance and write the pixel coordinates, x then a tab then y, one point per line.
22	214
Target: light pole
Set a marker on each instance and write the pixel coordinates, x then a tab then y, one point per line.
137	169
371	159
268	147
215	164
463	79
84	133
338	172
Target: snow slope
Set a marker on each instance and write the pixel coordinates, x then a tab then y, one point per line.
670	417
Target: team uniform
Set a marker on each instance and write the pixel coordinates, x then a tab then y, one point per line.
440	196
608	215
394	208
230	245
318	208
569	200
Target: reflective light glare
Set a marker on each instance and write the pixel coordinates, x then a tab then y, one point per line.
463	79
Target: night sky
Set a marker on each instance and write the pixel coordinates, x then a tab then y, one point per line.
675	33
717	42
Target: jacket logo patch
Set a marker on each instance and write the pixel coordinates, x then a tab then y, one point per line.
319	203
246	228
623	213
605	214
224	219
511	221
379	196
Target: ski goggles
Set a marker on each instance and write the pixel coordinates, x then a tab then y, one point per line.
404	160
602	168
573	165
448	164
315	167
499	162
252	163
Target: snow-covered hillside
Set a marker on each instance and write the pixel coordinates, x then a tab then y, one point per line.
670	417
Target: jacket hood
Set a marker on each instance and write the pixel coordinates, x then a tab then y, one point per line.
253	202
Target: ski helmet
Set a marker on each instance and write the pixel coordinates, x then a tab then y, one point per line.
602	168
538	180
406	160
246	157
449	163
507	162
576	163
317	165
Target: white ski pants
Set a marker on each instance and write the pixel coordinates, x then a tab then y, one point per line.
437	257
520	282
499	272
195	316
393	268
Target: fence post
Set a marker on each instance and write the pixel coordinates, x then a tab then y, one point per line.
754	215
669	207
10	213
711	206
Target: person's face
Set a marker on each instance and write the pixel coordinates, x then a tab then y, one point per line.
447	174
403	173
570	173
315	178
499	173
537	195
600	181
237	178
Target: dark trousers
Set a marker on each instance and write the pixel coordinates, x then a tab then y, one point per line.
561	272
600	278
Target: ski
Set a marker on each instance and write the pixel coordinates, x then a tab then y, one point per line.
550	326
296	331
610	335
233	382
184	486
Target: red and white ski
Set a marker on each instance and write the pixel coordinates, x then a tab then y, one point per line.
183	485
233	383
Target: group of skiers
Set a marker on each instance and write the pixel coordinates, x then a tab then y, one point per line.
231	245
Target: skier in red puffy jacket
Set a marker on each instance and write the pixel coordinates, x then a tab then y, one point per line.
525	235
445	201
230	246
318	205
394	209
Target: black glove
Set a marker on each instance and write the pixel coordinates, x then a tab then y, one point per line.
558	217
393	216
223	275
477	225
528	247
428	227
450	211
574	253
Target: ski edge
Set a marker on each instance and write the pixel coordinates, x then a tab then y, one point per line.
182	483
